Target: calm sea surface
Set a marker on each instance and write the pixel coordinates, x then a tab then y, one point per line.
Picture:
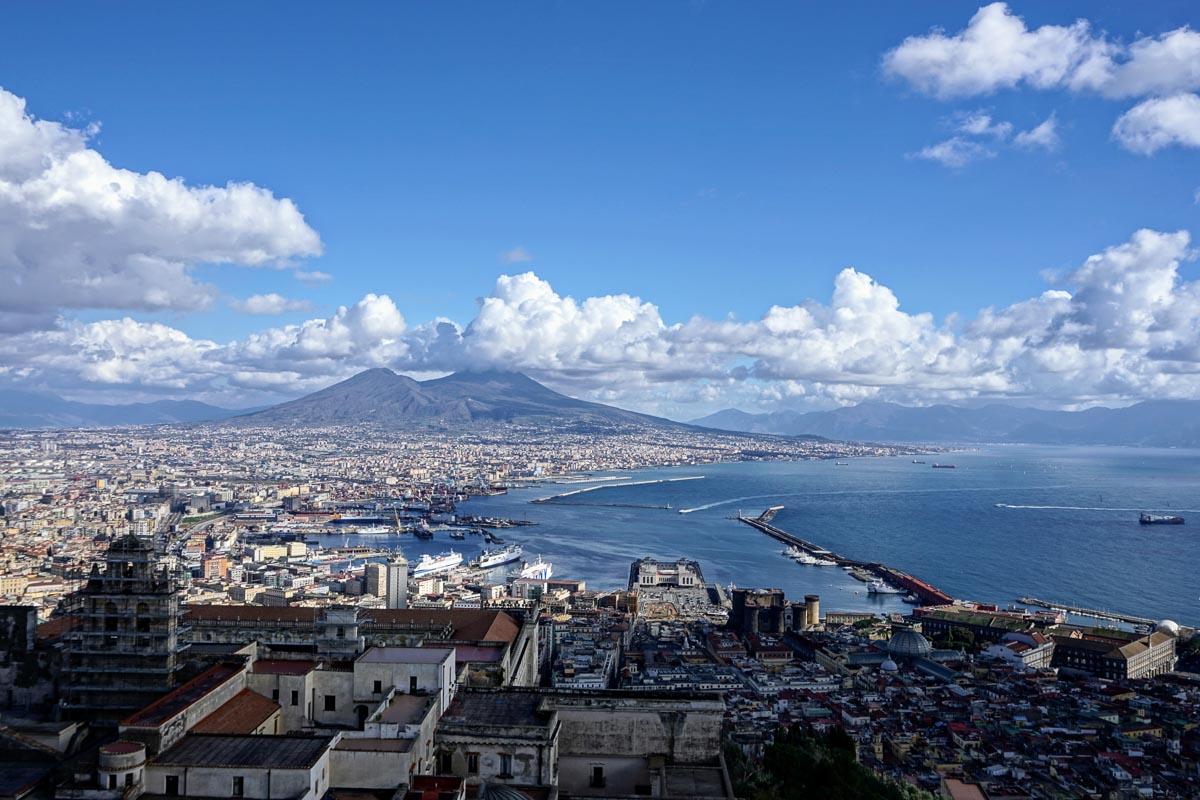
1054	522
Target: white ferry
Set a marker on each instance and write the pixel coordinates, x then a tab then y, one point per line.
494	558
539	570
431	565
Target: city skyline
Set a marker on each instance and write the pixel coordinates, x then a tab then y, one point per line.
952	204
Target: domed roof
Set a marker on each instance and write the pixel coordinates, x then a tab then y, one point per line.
907	643
889	666
1168	626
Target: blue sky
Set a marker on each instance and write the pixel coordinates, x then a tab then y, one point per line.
712	158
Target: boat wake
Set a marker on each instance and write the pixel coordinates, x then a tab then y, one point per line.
1083	508
778	495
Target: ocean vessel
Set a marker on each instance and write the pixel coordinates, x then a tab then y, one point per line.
494	558
539	570
943	466
915	461
1159	519
431	565
879	587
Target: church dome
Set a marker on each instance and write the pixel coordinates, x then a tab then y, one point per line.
907	643
889	666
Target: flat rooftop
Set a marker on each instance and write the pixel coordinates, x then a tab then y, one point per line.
272	752
376	745
473	710
406	709
282	666
406	655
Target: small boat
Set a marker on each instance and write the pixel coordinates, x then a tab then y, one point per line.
915	461
1159	519
841	463
943	466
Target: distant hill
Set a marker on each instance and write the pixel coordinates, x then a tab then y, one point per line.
23	409
381	397
1154	423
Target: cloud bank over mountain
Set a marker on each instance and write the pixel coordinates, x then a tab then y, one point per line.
80	238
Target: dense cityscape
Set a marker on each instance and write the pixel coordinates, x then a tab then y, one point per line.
556	400
167	618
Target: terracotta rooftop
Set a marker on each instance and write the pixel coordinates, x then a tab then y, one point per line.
176	701
469	624
243	713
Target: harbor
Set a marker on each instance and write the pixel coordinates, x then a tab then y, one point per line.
868	572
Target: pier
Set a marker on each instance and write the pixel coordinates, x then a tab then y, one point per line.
1081	611
927	593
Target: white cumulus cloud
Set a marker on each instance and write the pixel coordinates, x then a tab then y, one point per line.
1123	325
1043	136
1160	122
77	232
270	304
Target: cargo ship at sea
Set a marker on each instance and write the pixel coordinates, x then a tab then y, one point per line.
1159	519
943	466
503	555
432	565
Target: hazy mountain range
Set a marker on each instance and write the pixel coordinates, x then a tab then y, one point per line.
383	398
22	409
1154	423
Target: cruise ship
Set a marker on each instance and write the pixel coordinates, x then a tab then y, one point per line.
539	570
494	558
431	565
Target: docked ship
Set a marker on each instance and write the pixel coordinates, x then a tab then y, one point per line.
879	587
539	570
494	558
431	565
1159	519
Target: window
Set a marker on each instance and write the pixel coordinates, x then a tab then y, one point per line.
295	697
597	781
129	779
330	702
378	688
505	765
112	781
275	695
341	633
173	785
239	786
445	763
472	763
412	685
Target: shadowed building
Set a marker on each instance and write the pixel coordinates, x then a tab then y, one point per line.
124	649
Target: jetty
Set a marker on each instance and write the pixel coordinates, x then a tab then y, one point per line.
1082	611
927	593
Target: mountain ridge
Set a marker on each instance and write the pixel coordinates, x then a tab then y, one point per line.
382	397
24	409
1151	423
